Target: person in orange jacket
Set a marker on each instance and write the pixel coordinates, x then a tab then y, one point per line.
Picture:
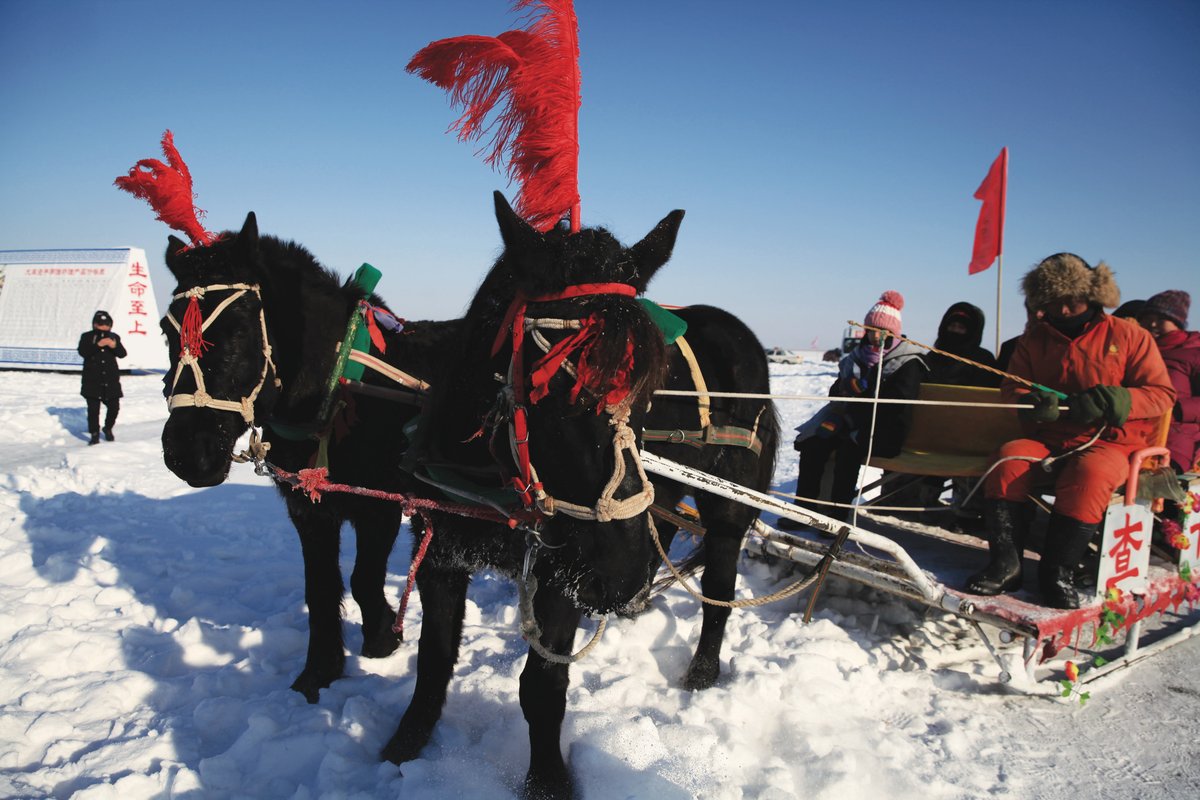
1117	387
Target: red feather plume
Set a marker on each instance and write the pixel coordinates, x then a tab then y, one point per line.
530	78
168	190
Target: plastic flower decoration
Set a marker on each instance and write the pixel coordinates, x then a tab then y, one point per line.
1070	686
1173	533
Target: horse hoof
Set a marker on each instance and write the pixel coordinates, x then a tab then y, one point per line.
380	646
556	786
702	674
311	681
403	747
311	692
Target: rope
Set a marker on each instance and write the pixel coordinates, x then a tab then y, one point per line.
824	398
750	602
983	367
532	632
1046	464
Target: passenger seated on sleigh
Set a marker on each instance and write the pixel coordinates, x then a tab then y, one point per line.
1165	315
842	430
960	334
1117	387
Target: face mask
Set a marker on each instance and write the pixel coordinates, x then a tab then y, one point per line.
1073	326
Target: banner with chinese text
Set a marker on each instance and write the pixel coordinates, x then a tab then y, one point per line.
47	298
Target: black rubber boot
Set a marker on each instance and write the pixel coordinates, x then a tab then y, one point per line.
1066	542
1007	524
95	439
108	435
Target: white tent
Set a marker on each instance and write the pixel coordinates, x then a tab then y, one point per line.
47	298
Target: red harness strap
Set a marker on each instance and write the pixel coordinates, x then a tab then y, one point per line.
544	368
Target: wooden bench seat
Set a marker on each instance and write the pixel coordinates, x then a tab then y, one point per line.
954	441
959	441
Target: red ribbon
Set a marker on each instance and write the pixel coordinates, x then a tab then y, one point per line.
514	318
544	369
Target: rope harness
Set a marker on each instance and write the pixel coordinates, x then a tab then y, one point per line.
192	346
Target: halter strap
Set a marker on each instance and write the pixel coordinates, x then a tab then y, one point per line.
514	317
200	398
624	441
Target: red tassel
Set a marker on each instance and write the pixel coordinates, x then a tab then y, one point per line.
191	330
168	190
531	77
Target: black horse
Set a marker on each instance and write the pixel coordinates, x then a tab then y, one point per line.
553	289
246	286
729	358
581	435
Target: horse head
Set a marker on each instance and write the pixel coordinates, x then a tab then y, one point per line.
578	357
222	376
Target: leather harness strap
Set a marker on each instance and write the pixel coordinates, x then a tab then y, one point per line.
730	435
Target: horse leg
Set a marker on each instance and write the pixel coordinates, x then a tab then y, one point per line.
319	532
376	532
544	698
725	523
443	604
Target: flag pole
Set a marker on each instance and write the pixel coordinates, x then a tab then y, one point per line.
1000	242
999	283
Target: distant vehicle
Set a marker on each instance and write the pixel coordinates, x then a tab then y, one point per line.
850	338
780	356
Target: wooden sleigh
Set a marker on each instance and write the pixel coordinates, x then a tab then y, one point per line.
1140	605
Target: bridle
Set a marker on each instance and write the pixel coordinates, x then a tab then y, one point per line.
512	398
192	346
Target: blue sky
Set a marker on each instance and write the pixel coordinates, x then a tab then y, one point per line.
824	152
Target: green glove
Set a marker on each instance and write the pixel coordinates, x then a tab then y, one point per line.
1111	404
1044	407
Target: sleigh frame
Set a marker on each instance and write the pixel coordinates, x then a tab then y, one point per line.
1139	607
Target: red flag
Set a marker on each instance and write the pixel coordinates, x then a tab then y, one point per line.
989	230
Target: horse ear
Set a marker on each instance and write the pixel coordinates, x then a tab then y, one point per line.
250	229
517	233
248	237
655	250
175	246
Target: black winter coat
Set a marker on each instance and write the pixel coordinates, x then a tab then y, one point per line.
101	375
943	369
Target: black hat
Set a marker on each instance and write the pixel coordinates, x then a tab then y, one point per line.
1130	309
101	318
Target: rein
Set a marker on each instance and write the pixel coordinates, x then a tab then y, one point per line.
192	346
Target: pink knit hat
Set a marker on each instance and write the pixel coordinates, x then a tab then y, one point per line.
886	312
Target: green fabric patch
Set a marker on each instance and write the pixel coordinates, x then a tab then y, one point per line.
367	277
415	432
671	325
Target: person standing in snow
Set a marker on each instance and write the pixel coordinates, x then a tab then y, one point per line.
101	348
843	430
1165	316
1117	388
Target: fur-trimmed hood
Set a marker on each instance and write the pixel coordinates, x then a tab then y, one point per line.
1067	275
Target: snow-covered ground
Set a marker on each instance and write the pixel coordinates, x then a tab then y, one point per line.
149	632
